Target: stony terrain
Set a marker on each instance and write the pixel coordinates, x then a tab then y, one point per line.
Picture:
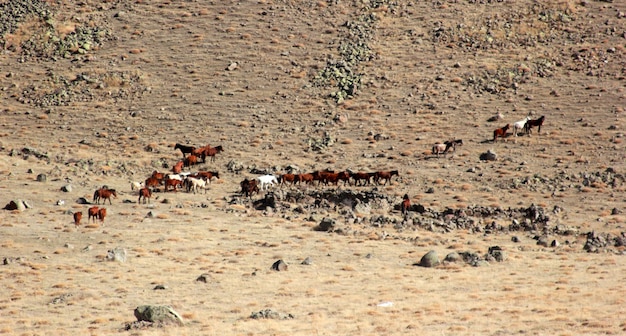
528	241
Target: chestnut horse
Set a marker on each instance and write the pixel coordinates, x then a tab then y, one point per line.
500	132
385	175
102	212
77	217
92	212
104	194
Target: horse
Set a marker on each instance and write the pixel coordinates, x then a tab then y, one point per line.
500	132
267	181
146	194
195	183
92	212
212	151
361	177
284	178
451	144
178	167
249	187
136	185
152	182
406	204
439	148
157	175
184	149
190	160
519	125
77	217
173	182
534	122
385	175
306	178
104	194
102	212
208	175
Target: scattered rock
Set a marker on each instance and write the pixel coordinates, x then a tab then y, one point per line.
495	253
66	188
82	200
232	66
205	277
307	261
326	225
160	287
279	265
270	314
158	314
453	257
17	204
117	254
42	178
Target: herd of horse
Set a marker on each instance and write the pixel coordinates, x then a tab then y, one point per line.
201	180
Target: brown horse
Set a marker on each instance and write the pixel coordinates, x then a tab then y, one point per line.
146	194
77	217
406	204
178	167
385	175
104	194
211	151
500	132
102	212
92	212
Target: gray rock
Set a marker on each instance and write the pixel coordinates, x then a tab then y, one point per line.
307	261
270	314
279	265
66	188
496	253
42	178
160	287
164	314
430	259
326	225
82	200
453	257
490	155
117	254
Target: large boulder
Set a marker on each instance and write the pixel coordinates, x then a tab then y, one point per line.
163	314
430	259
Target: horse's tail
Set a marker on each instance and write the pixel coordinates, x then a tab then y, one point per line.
95	195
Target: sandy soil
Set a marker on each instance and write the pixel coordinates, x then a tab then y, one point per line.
243	75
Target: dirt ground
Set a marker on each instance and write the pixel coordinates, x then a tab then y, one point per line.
98	93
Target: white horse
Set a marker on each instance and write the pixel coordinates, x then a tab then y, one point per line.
134	185
438	148
267	181
519	125
196	183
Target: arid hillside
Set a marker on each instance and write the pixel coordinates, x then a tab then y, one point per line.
528	227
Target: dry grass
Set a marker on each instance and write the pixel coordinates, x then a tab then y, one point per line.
270	101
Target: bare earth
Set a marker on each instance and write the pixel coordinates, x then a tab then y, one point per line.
242	74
